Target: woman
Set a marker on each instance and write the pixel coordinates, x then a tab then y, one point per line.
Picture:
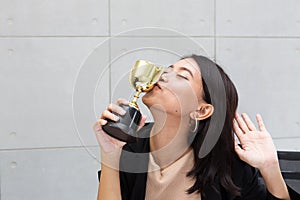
193	153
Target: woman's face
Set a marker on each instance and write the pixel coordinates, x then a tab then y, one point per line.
179	91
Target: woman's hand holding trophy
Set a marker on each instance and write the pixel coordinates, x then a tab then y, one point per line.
143	77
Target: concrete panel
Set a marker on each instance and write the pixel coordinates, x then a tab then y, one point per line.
43	18
289	143
195	17
258	18
38	78
49	174
266	73
91	93
162	51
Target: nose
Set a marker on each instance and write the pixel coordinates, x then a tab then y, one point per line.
163	78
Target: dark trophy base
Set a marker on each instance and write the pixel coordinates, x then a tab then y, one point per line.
124	129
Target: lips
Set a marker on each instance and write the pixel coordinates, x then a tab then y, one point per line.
157	84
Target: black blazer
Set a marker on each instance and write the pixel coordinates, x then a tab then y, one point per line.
133	185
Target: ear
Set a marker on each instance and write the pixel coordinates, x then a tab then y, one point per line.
204	112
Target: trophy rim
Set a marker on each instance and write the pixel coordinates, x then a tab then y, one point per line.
154	80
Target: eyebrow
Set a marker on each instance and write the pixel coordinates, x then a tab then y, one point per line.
183	68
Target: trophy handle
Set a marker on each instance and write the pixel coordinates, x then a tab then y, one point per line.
126	128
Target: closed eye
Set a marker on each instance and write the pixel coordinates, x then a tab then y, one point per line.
181	76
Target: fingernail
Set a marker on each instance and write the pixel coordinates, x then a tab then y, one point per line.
116	118
123	112
103	122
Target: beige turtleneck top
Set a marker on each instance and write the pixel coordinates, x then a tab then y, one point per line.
171	182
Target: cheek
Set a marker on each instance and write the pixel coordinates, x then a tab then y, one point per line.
183	99
177	99
188	99
166	99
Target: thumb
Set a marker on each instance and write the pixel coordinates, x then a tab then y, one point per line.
238	150
142	122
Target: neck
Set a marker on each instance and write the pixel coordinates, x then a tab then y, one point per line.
168	140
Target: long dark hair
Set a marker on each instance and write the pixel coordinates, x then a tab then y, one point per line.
217	164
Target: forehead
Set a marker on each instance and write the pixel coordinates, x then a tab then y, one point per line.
190	64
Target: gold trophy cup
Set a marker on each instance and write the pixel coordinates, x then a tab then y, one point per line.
143	77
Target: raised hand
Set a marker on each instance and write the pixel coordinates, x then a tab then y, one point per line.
256	146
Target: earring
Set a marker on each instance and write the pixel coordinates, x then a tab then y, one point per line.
194	125
195	122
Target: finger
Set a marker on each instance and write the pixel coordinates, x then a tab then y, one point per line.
99	123
108	115
238	132
104	142
97	127
248	121
102	122
122	101
238	149
143	121
260	122
117	109
241	123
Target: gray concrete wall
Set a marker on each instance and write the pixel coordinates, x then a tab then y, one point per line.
54	80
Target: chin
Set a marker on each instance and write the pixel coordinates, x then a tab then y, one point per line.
146	100
151	101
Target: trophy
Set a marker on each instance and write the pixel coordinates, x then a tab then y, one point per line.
143	77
